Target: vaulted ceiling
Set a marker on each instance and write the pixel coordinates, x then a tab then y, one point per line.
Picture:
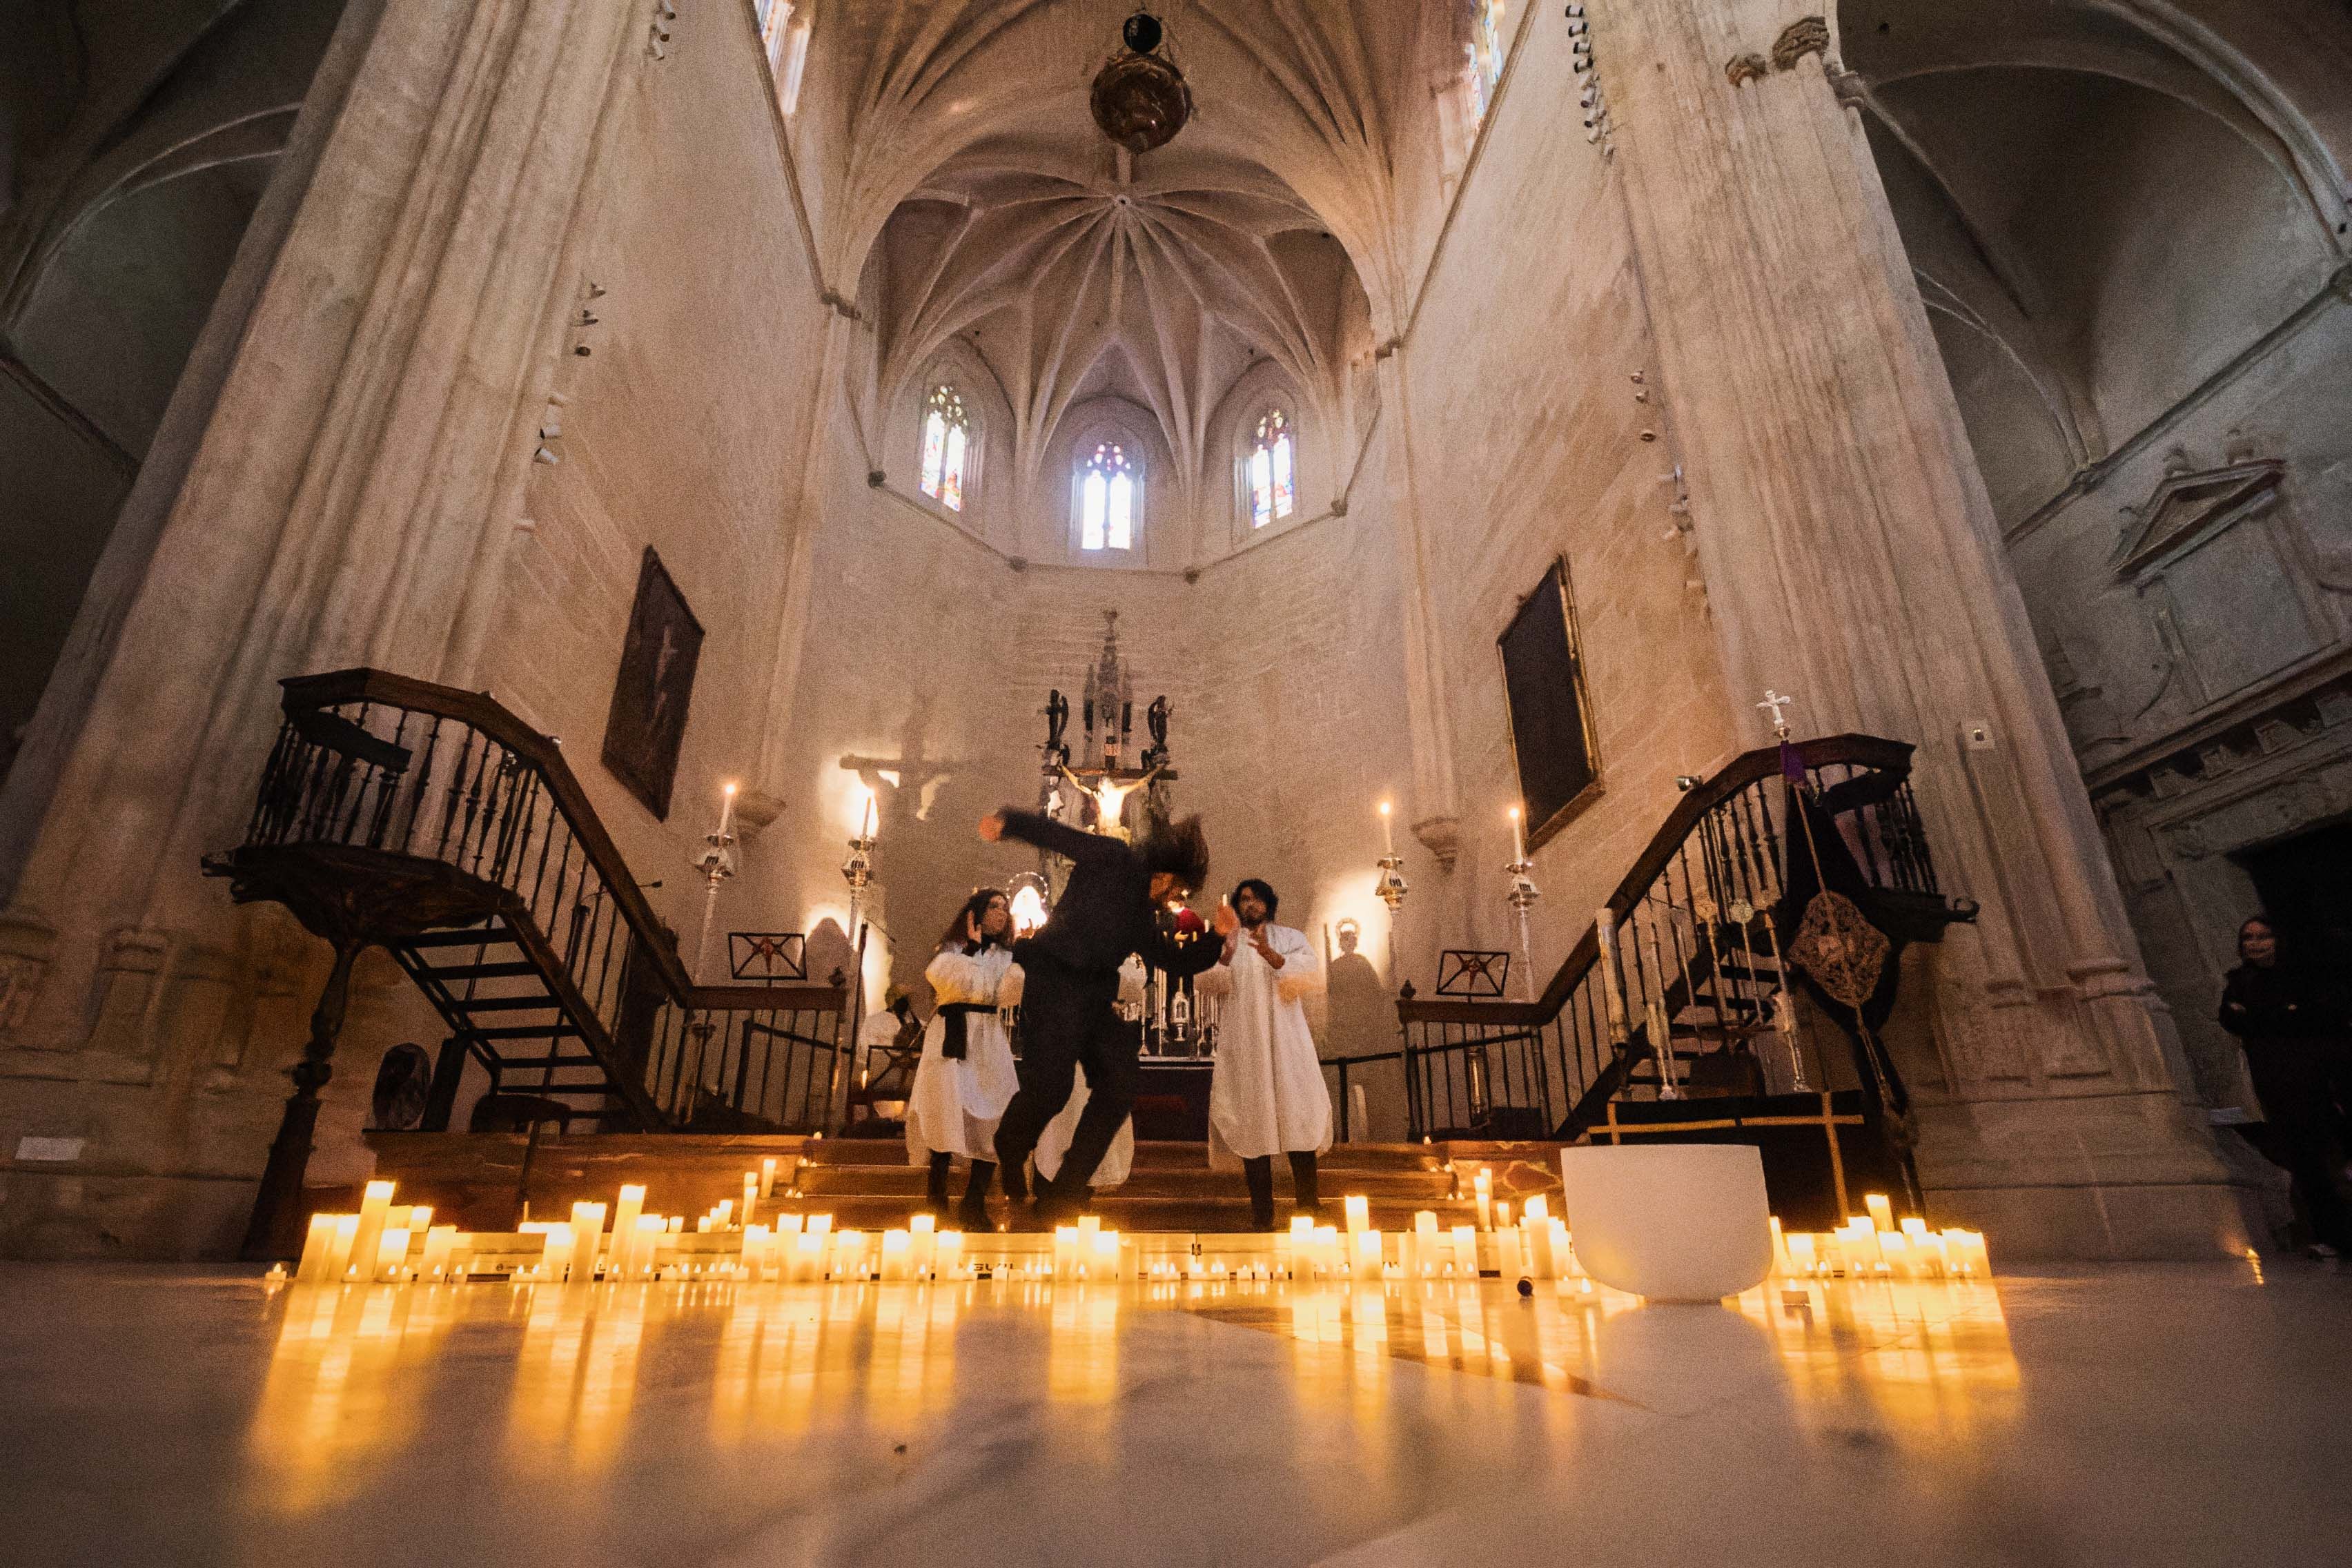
978	202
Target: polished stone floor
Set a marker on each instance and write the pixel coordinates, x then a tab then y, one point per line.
2131	1415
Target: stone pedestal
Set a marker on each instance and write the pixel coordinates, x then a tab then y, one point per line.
1852	558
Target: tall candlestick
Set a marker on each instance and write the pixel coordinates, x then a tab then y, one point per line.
1387	834
375	1203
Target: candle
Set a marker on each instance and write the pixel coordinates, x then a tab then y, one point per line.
650	1229
808	1255
767	1177
1518	843
1882	1213
722	1217
1387	834
1105	1261
555	1252
1539	1207
1066	1252
1563	1254
1483	1183
339	1251
1359	1215
587	1233
375	1203
1506	1242
1425	1243
316	1247
849	1254
895	1247
1895	1248
751	1195
1465	1251
1503	1215
1802	1260
1539	1246
922	1246
631	1204
392	1253
440	1240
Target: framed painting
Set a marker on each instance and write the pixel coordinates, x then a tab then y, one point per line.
647	723
1549	707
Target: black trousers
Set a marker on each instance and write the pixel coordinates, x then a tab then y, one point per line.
2300	1084
1068	1017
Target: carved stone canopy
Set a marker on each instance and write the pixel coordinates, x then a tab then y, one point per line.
2189	507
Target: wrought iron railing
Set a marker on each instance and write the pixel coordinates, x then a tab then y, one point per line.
1694	940
462	823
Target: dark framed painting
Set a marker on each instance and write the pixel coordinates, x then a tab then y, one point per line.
1550	709
647	723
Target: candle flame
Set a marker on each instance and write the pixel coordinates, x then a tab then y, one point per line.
1384	808
730	789
1515	814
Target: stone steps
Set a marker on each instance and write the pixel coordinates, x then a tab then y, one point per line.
471	1179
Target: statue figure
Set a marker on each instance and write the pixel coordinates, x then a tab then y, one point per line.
1110	801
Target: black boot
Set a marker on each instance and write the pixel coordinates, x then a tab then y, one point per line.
935	1191
1303	1194
1259	1174
973	1213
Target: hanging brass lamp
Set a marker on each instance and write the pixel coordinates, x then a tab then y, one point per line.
1140	99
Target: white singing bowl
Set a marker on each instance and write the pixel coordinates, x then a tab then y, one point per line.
1672	1222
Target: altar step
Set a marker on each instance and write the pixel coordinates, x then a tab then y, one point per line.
472	1178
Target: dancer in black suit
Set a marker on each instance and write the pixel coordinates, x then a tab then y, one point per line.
1112	907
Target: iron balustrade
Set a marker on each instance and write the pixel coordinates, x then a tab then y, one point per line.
1696	939
472	831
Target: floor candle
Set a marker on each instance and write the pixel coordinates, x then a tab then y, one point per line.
339	1251
751	1195
631	1204
1360	1214
1882	1213
947	1260
1368	1254
369	1237
1538	1248
392	1253
1483	1183
587	1238
434	1261
767	1178
651	1228
1801	1259
1563	1251
1507	1252
1066	1252
808	1255
896	1245
849	1254
316	1247
555	1255
922	1249
1425	1243
1105	1258
1465	1251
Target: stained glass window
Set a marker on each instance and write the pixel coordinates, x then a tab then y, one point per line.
1273	490
1106	499
947	438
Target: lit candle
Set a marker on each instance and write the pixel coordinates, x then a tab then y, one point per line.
587	1234
895	1247
1882	1213
367	1240
440	1240
1539	1207
722	1217
1105	1262
1360	1214
392	1253
751	1195
1387	834
1538	1244
316	1247
1779	1247
1066	1252
1563	1254
767	1177
631	1204
555	1252
339	1251
808	1255
651	1228
1506	1242
922	1246
1518	843
1801	1259
1425	1243
1465	1251
1483	1185
947	1260
849	1254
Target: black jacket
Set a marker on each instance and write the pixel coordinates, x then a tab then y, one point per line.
2285	1006
1106	912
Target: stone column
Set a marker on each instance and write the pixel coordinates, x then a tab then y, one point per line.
1428	699
1852	558
355	476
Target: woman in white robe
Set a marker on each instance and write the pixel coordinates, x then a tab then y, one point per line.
966	1076
1267	1095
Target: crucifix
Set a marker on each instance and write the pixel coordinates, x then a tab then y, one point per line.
1774	703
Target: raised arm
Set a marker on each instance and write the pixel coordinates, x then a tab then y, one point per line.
1074	844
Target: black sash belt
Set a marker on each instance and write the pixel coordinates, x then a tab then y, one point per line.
951	1043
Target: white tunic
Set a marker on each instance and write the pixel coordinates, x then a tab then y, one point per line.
1267	1095
955	1105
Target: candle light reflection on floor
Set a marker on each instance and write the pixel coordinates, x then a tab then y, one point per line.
353	1365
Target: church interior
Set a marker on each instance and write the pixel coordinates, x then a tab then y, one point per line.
1751	601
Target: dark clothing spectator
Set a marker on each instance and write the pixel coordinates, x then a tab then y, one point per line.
2296	1026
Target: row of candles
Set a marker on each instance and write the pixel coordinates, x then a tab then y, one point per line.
389	1243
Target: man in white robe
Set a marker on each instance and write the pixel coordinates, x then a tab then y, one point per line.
1267	1095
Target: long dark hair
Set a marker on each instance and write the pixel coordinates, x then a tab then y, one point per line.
976	909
